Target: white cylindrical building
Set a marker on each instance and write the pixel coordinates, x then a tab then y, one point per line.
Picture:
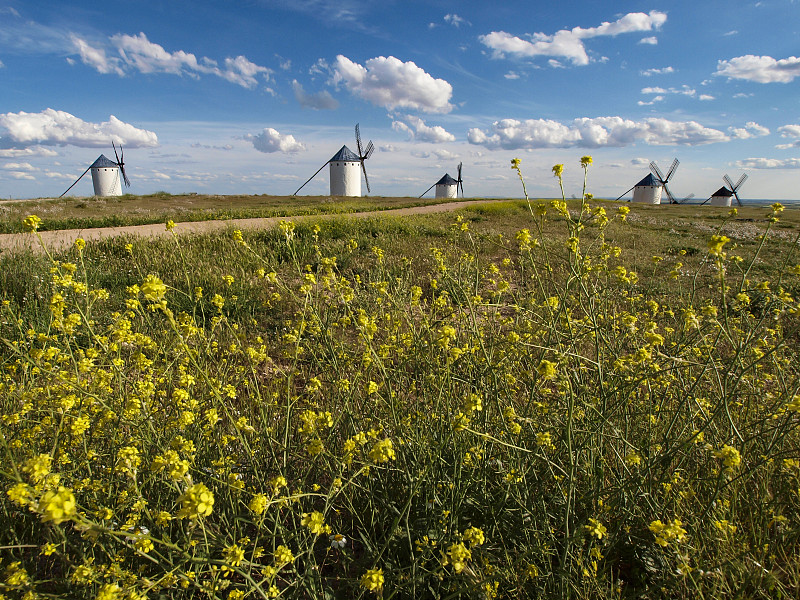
648	191
105	177
447	187
345	172
722	197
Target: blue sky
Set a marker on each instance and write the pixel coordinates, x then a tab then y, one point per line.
252	97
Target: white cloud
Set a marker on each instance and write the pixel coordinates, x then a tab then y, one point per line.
761	69
731	32
18	167
22	175
511	134
640	162
270	140
58	128
684	90
1	64
662	71
418	130
789	131
769	163
455	20
511	75
568	43
137	53
96	57
243	72
25	152
706	97
319	101
392	83
439	154
750	130
649	41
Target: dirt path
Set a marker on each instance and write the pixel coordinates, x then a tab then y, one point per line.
58	240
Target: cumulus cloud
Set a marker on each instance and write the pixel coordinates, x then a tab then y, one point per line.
511	134
662	71
438	154
649	41
22	175
25	152
750	130
568	43
418	130
392	83
684	90
455	20
769	163
790	131
640	162
58	128
124	53
271	140
761	69
18	167
706	97
319	101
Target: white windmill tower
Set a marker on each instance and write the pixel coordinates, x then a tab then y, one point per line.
107	175
724	196
345	178
447	187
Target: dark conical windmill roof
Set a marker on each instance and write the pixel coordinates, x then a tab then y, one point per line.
103	163
447	180
649	181
344	155
723	191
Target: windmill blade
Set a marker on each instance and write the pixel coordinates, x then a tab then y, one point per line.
737	198
460	182
669	194
76	181
426	191
370	150
672	169
623	193
121	163
689	197
309	179
366	179
728	181
656	171
358	142
739	183
122	166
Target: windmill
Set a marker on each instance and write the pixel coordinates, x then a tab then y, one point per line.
106	174
664	180
447	187
345	178
650	188
724	195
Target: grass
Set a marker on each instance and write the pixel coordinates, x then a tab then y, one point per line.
509	401
92	212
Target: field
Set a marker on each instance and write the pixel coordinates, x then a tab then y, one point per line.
86	213
515	400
